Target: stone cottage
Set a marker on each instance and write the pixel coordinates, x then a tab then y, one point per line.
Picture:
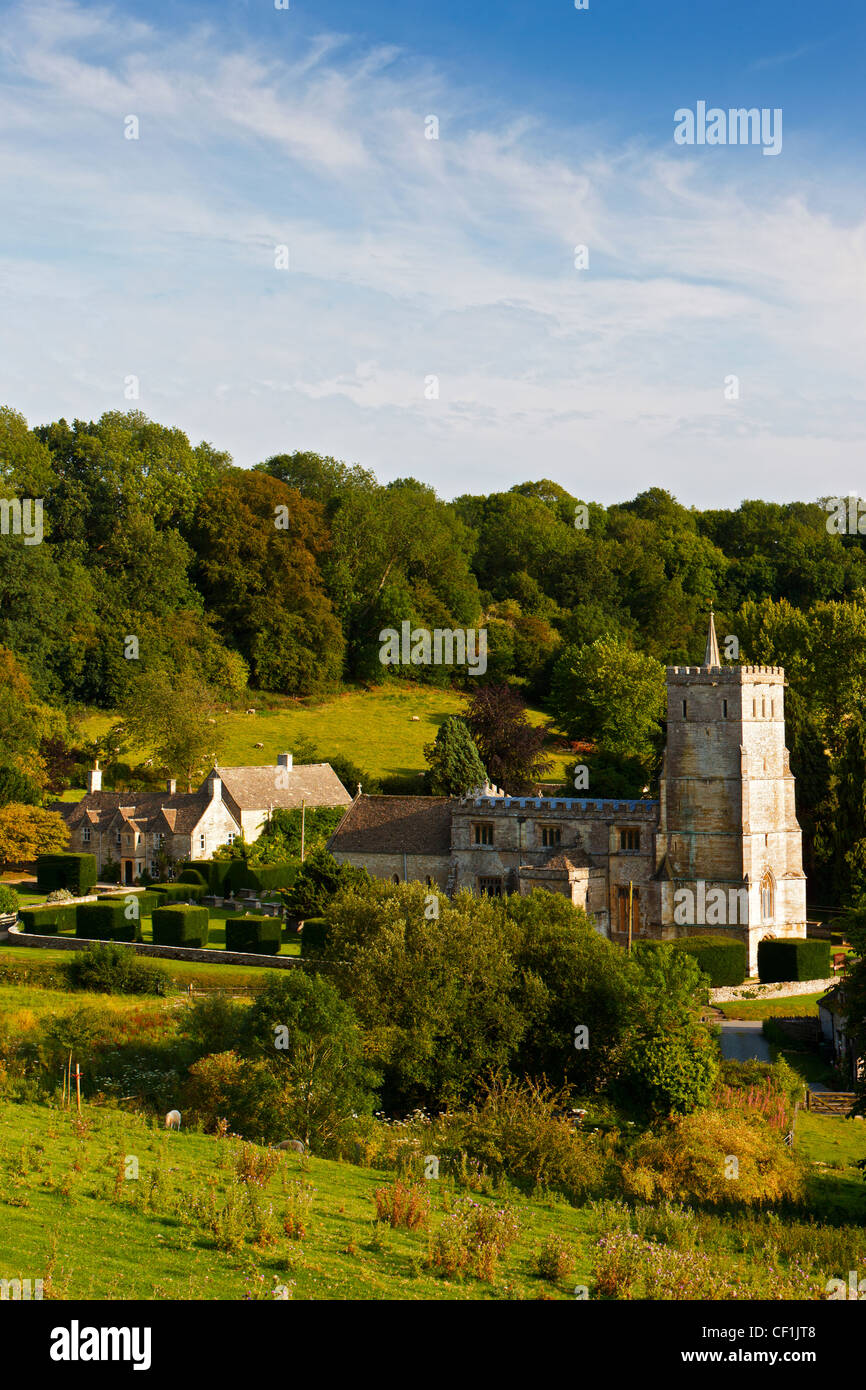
135	828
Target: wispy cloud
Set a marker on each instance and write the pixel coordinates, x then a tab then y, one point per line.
411	258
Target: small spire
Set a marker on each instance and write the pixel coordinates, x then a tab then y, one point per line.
711	655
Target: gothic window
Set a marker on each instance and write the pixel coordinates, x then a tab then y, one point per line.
768	898
396	878
629	841
482	833
550	835
685	708
724	709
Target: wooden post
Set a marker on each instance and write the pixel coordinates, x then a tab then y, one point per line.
69	1082
303	826
78	1086
630	892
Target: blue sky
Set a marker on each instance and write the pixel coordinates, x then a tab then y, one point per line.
453	258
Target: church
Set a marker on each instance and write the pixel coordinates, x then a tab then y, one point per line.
719	851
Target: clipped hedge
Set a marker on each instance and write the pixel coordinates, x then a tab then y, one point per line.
724	960
264	878
48	921
781	961
147	900
106	921
217	871
178	892
254	933
314	936
77	872
192	875
179	925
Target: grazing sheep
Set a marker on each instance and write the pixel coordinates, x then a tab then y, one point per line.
295	1145
172	1119
250	711
258	745
415	718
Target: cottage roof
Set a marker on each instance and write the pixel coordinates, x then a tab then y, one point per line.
147	811
257	788
395	825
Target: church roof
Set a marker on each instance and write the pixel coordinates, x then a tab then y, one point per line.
395	825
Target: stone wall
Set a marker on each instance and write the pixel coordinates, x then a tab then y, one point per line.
144	948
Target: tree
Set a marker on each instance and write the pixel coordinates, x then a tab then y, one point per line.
28	831
310	1041
613	695
508	745
171	715
14	786
24	721
455	767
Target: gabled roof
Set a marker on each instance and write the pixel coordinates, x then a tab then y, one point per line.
147	811
395	825
257	788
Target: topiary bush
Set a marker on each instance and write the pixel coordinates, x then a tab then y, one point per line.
8	900
147	901
724	960
217	871
254	933
179	892
192	875
106	921
77	872
48	921
178	925
262	878
781	961
314	936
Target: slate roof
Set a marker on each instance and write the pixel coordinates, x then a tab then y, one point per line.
395	825
145	811
257	788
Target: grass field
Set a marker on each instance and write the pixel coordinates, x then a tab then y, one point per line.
795	1006
40	961
375	728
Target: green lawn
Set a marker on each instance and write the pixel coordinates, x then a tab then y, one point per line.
375	728
39	960
797	1006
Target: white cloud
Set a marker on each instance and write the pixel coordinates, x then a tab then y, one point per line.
412	257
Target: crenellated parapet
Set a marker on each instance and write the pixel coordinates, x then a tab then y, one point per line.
713	675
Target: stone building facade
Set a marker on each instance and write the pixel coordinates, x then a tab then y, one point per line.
720	851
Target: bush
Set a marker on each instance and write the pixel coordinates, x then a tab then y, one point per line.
180	926
224	1086
555	1259
252	933
719	957
60	895
106	921
781	961
668	1071
192	875
178	892
262	878
48	921
110	872
77	872
113	969
8	900
314	936
147	901
217	871
690	1161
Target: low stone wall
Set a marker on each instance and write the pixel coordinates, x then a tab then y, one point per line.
754	990
18	937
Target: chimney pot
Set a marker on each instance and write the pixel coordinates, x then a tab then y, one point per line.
284	760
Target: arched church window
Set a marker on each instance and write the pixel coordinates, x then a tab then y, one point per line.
768	898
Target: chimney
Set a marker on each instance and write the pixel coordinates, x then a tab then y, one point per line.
215	786
94	778
284	760
171	786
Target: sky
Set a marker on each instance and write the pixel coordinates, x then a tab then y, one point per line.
283	259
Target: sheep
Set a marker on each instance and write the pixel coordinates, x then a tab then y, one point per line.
295	1145
258	745
172	1119
415	718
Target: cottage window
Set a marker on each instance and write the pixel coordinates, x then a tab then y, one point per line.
201	841
117	838
490	887
85	835
482	833
550	835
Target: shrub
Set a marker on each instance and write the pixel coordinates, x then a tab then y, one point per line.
781	961
110	872
8	900
314	936
473	1238
77	872
106	921
226	1086
669	1071
216	871
48	921
178	925
257	934
722	959
405	1204
178	892
262	878
60	895
555	1259
110	968
192	875
146	901
691	1160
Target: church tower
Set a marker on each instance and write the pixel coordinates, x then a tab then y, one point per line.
729	848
